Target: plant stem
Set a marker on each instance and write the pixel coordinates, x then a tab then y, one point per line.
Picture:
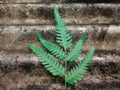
65	75
65	88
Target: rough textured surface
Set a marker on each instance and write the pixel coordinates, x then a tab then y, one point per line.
71	13
28	1
18	57
93	1
25	73
18	80
20	69
105	37
54	1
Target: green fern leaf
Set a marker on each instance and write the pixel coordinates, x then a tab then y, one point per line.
75	52
48	61
79	70
63	38
53	48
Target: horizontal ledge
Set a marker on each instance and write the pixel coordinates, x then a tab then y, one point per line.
104	37
27	1
47	24
18	80
71	13
74	4
104	64
105	69
59	1
19	57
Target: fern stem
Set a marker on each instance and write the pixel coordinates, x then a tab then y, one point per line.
65	88
65	74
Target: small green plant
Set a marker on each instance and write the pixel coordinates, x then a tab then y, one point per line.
59	51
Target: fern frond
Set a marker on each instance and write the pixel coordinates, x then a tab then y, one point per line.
53	48
75	52
48	61
79	70
63	38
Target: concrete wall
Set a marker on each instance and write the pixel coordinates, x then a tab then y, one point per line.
20	69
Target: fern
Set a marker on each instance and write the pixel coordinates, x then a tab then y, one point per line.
54	49
74	53
48	61
78	71
59	51
63	38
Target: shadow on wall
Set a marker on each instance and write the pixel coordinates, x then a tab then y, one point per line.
93	1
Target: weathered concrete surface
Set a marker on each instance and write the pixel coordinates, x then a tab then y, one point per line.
20	81
71	13
53	1
29	1
104	37
21	70
94	1
17	57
